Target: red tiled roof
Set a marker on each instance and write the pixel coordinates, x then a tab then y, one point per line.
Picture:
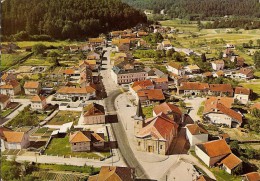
10	85
193	86
154	94
218	62
231	161
93	109
196	129
37	98
255	106
253	176
204	178
31	85
245	71
242	90
159	80
13	137
231	113
220	88
216	148
69	71
142	84
159	127
78	137
166	108
211	103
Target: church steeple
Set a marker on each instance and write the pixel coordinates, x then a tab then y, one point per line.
139	112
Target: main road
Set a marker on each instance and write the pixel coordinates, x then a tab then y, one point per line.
112	92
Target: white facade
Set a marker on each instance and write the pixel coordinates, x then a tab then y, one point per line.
174	70
70	96
202	155
217	66
196	139
219	118
242	98
128	78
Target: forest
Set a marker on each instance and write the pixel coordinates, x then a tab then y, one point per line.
66	19
202	9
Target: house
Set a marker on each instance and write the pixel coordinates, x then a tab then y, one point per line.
81	141
122	45
228	53
125	73
218	65
221	90
15	140
72	74
172	111
6	77
245	73
239	61
74	48
4	101
2	137
148	97
96	42
177	80
230	162
32	88
141	33
218	110
219	73
255	106
154	73
11	88
140	85
252	176
192	88
161	83
75	93
38	102
212	152
116	34
156	134
203	178
112	173
175	68
166	44
192	69
207	75
93	114
242	94
196	134
93	56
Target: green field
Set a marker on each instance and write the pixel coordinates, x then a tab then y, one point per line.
255	86
148	111
37	61
82	169
61	146
8	59
65	117
46	43
210	41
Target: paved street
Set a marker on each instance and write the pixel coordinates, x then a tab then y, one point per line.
194	103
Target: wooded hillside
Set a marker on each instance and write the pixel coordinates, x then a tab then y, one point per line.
63	19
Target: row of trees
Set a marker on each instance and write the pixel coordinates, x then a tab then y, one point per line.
67	19
202	9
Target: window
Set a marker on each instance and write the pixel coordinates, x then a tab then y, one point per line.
139	143
161	146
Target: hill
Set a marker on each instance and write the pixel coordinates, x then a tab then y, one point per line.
63	19
200	8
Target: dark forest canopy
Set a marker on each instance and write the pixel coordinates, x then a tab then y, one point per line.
200	8
67	19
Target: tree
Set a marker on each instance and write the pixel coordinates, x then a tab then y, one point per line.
238	170
251	43
258	42
203	57
54	57
169	53
38	49
256	58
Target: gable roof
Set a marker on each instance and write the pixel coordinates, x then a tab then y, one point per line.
231	161
4	98
2	129
196	129
137	85
112	173
166	108
218	62
252	176
221	88
31	85
78	137
193	86
255	106
158	128
230	112
242	90
175	65
193	67
93	109
10	85
13	136
37	98
76	90
215	148
160	80
154	94
204	178
245	71
212	101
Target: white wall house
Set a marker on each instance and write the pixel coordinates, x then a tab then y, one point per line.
16	140
196	134
218	65
175	68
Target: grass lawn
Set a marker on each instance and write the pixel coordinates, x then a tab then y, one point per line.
148	111
65	117
201	108
46	43
37	61
40	131
257	73
6	112
255	86
8	59
81	169
61	146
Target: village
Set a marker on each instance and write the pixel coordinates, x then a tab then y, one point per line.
132	103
